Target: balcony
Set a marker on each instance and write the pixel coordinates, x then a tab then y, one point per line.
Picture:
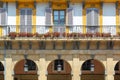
74	32
60	38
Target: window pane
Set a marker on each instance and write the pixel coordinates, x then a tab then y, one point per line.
55	17
56	22
62	19
62	12
57	62
59	17
55	12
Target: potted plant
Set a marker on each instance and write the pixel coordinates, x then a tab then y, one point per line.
56	34
106	35
41	36
36	34
12	35
74	34
48	34
97	34
66	34
22	34
29	35
89	34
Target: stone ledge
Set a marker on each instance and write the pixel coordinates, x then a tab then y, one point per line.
35	52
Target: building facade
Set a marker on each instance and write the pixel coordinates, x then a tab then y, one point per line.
59	40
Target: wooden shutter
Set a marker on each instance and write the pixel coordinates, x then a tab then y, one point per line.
2	16
92	17
70	16
26	20
22	20
92	20
29	20
89	14
48	16
96	15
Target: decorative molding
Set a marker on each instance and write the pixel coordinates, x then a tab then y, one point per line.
50	4
98	44
88	45
17	4
68	3
34	4
117	4
101	4
83	4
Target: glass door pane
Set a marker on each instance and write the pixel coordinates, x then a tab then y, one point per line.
59	17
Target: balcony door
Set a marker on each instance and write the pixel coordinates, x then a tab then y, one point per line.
59	21
26	20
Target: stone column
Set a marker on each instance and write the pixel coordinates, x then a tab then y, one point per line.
76	67
8	69
42	68
110	67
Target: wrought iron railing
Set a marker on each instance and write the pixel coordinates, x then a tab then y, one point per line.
61	31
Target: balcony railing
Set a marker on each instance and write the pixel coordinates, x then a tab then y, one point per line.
59	32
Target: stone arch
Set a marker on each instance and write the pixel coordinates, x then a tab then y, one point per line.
1	71
98	73
117	71
66	65
98	65
19	67
1	68
53	74
54	57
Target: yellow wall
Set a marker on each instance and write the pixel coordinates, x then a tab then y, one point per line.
117	19
1	31
26	5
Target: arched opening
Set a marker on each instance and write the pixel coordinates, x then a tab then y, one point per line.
23	73
92	70
117	71
1	71
59	70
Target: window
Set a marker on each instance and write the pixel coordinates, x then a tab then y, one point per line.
31	65
1	67
59	16
86	65
117	66
92	19
26	20
57	62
